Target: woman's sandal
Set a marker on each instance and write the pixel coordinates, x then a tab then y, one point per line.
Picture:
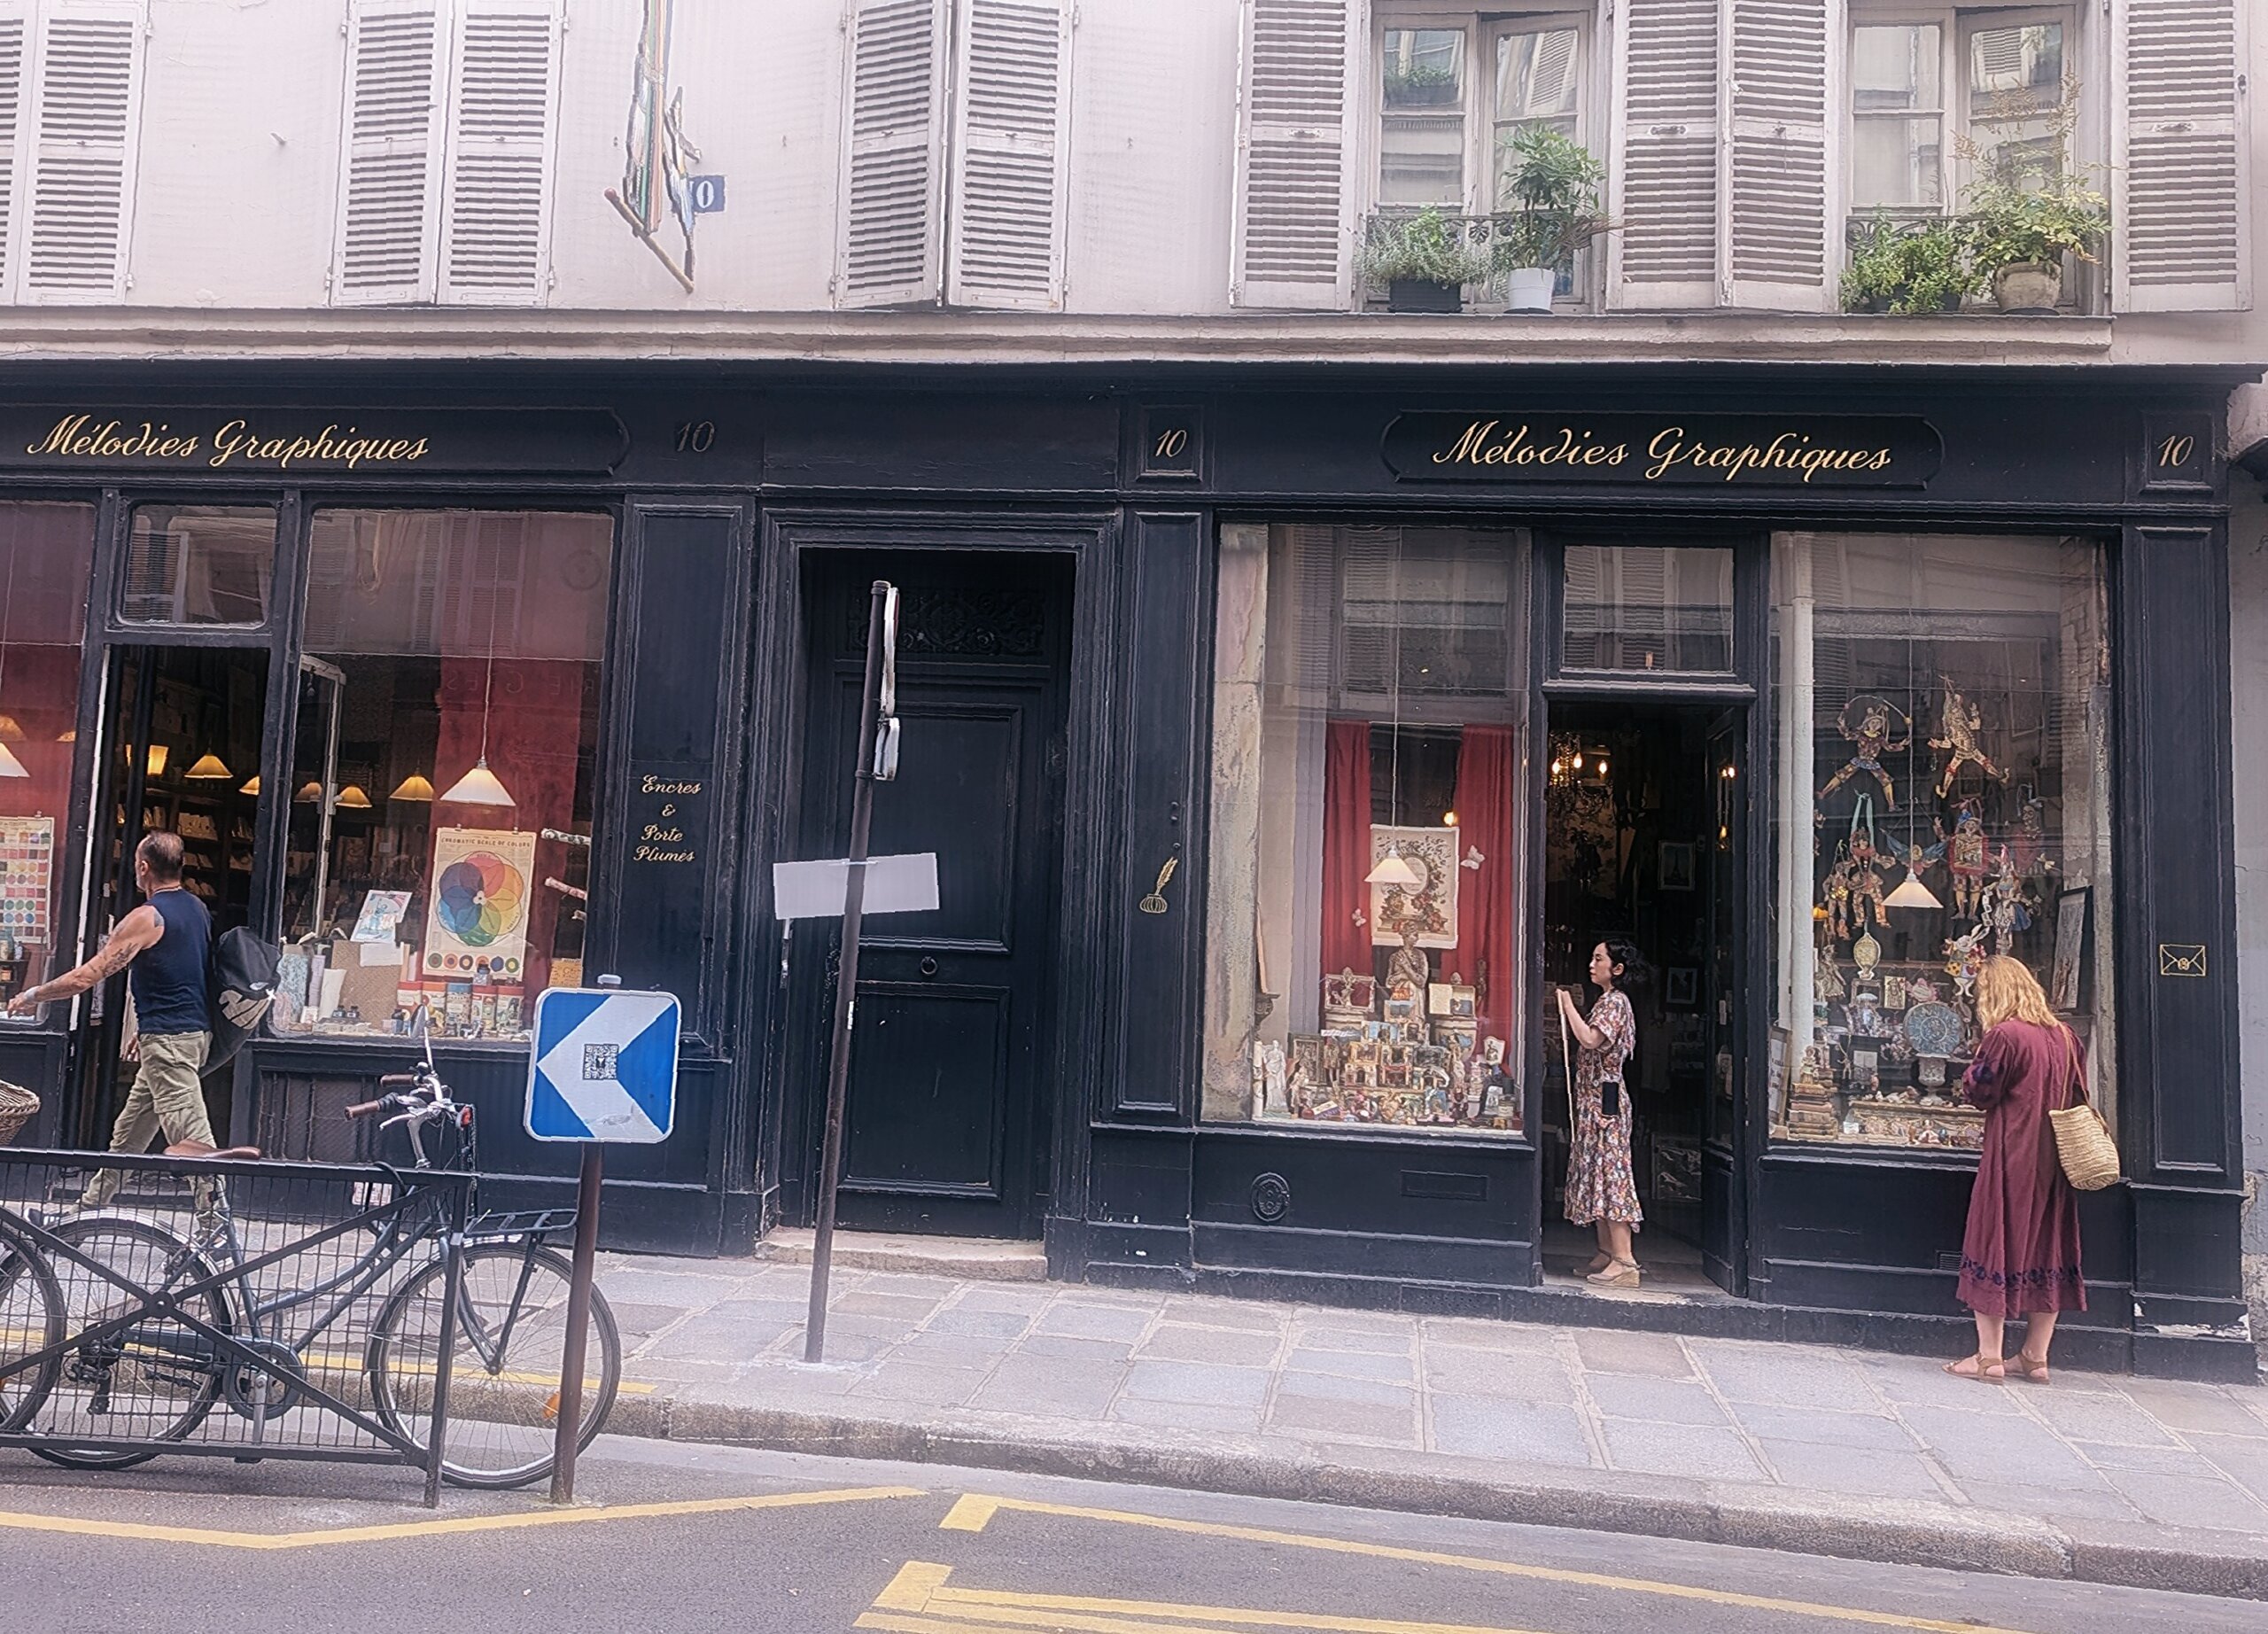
1621	1273
1984	1369
1599	1261
2022	1366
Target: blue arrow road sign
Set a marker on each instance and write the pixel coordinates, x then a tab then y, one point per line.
603	1067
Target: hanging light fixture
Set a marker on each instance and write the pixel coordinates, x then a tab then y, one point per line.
252	785
1393	869
68	736
155	765
480	786
1911	891
209	768
10	766
309	792
351	799
413	787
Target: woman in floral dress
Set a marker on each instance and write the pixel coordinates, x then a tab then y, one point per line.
1601	1190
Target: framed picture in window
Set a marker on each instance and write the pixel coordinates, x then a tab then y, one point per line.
1684	988
2065	973
1676	867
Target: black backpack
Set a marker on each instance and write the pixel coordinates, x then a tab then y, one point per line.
240	980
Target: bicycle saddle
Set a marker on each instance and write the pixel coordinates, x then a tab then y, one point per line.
197	1148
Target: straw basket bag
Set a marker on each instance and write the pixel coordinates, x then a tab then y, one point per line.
17	1105
2083	1142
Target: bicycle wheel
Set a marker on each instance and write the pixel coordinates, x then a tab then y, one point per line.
31	1321
152	1380
510	1347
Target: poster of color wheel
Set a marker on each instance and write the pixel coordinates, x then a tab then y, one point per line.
478	910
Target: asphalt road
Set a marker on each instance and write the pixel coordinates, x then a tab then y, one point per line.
676	1537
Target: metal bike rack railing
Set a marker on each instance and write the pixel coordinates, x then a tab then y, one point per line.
229	1309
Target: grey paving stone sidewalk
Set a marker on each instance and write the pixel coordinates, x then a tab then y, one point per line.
1503	1399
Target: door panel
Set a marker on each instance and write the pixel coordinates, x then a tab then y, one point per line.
949	1087
1724	1231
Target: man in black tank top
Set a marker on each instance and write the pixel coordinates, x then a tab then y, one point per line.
163	944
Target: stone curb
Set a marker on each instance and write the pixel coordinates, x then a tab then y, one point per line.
1892	1531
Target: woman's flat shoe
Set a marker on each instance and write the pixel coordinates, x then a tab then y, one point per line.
1621	1273
1985	1369
2022	1366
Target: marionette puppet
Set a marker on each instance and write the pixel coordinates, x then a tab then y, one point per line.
1875	727
1961	721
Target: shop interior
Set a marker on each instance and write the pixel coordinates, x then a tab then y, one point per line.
181	751
1638	843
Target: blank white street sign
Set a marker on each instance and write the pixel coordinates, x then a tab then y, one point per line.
906	884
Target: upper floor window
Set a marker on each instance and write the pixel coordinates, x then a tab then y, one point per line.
446	160
70	118
1446	118
1937	101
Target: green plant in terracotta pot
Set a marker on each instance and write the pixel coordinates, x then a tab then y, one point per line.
1554	183
2028	209
1423	261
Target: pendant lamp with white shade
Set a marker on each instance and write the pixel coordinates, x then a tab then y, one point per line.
480	786
1393	870
10	766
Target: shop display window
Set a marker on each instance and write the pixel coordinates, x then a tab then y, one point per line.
46	552
1940	795
443	769
1367	825
198	564
1647	608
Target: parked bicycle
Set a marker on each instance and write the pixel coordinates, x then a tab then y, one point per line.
157	1377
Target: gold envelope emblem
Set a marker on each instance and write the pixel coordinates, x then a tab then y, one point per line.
2181	958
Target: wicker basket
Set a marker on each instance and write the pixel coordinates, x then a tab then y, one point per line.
17	1105
2084	1146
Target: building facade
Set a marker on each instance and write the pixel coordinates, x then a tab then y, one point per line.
442	483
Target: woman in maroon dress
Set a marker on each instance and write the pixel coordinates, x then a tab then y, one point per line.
2019	1256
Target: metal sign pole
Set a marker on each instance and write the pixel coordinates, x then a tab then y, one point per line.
569	1433
879	635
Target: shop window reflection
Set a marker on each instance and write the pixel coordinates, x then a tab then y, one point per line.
198	564
1647	608
1370	733
1939	797
46	551
443	771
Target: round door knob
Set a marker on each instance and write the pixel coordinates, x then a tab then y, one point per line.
929	967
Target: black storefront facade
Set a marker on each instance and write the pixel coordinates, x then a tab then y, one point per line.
1173	643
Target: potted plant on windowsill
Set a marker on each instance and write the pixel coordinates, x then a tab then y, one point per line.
1423	261
1909	268
2018	237
1555	185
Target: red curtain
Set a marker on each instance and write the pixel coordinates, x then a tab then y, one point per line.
535	726
1345	847
1484	952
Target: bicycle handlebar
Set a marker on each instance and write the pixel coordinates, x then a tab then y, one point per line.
398	1080
364	1109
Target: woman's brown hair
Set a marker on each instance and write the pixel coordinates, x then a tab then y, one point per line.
2007	991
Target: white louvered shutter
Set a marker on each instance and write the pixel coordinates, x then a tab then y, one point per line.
502	124
15	99
1781	171
2181	197
1663	175
1009	151
1293	237
893	164
389	154
87	80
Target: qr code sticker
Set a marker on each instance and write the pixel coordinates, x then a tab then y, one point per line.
598	1061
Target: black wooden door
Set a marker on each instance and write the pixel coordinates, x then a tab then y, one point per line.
1724	1233
950	1060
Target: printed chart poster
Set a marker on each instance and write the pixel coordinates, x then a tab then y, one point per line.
26	871
477	922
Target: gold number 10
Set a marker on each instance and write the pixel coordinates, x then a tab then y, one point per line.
1171	443
2176	450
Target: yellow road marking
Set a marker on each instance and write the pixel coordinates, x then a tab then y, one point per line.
921	1587
142	1531
972	1512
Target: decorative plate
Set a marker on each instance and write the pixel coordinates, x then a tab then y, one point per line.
1933	1029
